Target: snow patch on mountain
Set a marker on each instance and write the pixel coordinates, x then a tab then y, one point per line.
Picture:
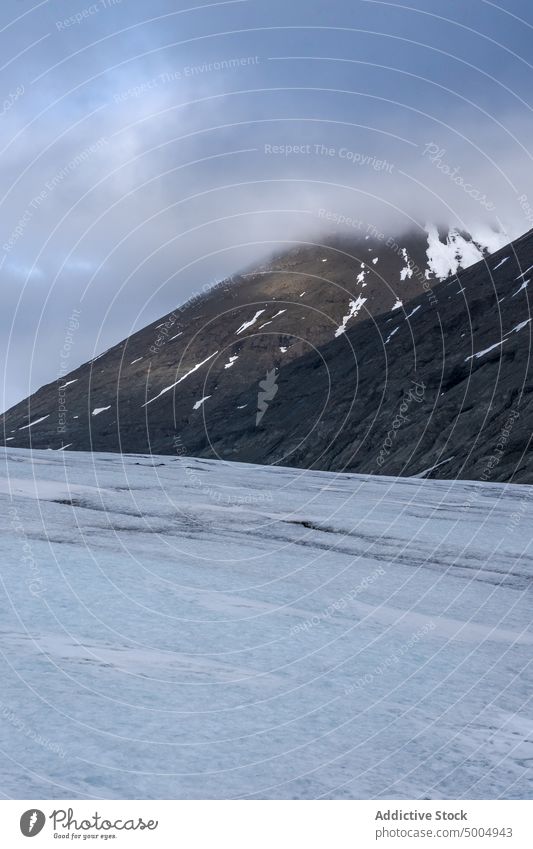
522	287
183	377
446	258
407	271
202	401
523	274
354	307
501	262
37	421
249	323
413	312
485	350
361	276
520	326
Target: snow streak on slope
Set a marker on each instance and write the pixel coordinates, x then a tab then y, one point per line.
249	323
177	628
31	424
183	377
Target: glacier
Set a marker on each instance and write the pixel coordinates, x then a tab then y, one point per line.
183	628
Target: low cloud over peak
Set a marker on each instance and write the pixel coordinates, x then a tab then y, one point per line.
147	154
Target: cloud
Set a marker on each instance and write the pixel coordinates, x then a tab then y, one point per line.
147	154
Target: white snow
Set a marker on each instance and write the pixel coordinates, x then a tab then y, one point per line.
397	305
361	276
501	262
200	402
407	270
242	406
435	465
353	310
98	410
485	351
37	421
9	438
445	258
303	293
231	361
324	260
489	239
200	629
391	334
248	324
279	312
519	326
176	336
69	382
523	286
413	312
524	272
375	260
183	377
135	361
283	350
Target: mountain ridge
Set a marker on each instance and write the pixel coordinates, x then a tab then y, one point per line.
228	341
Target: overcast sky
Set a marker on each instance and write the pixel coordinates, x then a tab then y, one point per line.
151	148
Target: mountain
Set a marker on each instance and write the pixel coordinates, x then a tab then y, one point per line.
441	388
180	628
348	356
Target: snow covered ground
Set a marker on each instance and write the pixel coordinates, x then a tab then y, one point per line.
177	628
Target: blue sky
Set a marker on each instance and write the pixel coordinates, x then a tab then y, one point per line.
149	149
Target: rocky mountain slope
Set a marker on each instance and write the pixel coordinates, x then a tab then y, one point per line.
350	355
441	388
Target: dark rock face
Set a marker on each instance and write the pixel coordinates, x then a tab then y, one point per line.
343	376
